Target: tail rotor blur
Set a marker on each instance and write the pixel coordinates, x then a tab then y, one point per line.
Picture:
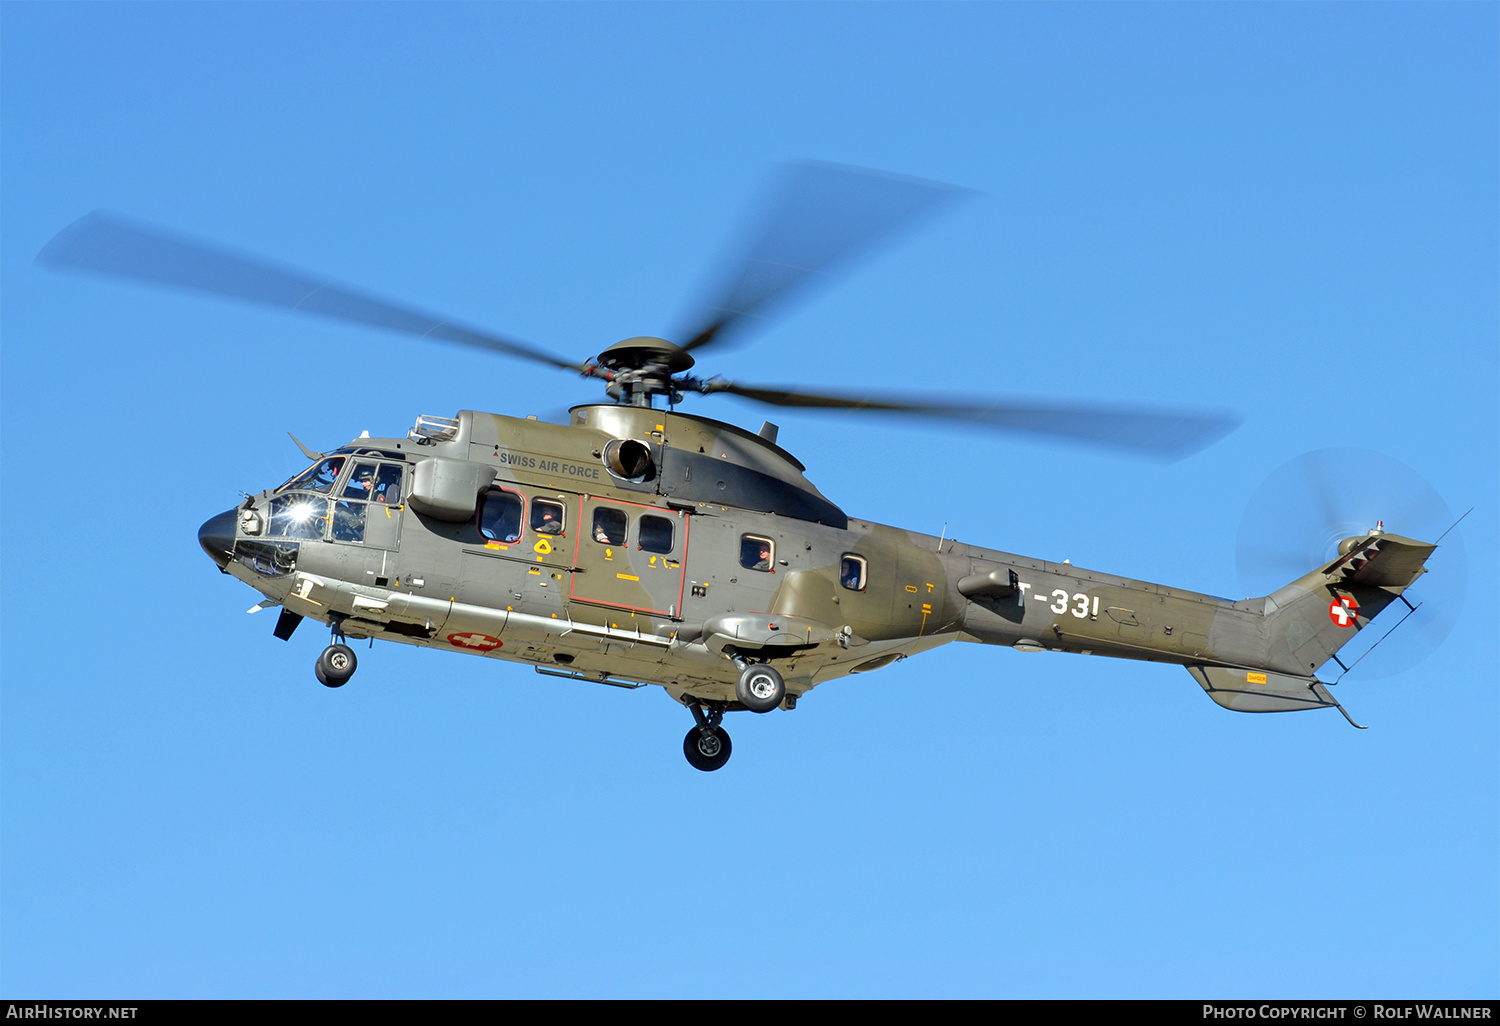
1298	515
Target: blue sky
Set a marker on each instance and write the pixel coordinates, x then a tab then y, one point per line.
1284	210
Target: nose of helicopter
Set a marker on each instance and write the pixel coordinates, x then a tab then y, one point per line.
217	537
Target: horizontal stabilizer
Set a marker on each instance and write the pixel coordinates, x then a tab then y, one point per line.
1258	691
1381	561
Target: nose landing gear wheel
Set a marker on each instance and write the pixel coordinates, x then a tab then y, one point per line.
759	688
335	666
706	752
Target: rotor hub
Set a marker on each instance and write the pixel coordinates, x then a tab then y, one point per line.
641	367
646	353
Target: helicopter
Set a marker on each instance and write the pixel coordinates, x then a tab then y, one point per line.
636	544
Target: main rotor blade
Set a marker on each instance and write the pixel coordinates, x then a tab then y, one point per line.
101	243
814	216
1162	433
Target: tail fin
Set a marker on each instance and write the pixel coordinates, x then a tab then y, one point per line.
1312	618
1316	615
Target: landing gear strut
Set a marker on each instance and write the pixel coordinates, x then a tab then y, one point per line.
337	663
707	745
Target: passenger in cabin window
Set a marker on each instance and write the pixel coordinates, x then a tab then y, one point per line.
545	519
755	553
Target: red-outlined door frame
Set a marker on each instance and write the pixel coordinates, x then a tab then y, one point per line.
592	557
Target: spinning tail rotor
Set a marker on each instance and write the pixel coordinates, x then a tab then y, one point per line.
1301	512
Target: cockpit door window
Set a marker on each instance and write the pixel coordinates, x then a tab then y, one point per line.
368	509
361	483
388	484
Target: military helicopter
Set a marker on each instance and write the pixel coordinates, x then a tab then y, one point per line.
636	544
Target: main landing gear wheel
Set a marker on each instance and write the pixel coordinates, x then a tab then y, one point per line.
335	666
706	752
759	688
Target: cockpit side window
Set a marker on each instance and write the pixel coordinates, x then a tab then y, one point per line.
317	478
852	572
500	516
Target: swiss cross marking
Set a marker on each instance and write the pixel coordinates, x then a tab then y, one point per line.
474	642
1344	611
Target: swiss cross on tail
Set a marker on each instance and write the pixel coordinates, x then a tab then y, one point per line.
1344	611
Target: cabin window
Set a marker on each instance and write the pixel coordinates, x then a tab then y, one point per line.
317	478
546	516
609	526
852	572
756	553
500	516
655	533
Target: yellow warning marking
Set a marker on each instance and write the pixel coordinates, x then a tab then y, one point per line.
627	577
533	570
912	588
653	560
543	546
1255	678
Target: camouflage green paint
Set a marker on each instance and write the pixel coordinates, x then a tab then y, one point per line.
571	603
